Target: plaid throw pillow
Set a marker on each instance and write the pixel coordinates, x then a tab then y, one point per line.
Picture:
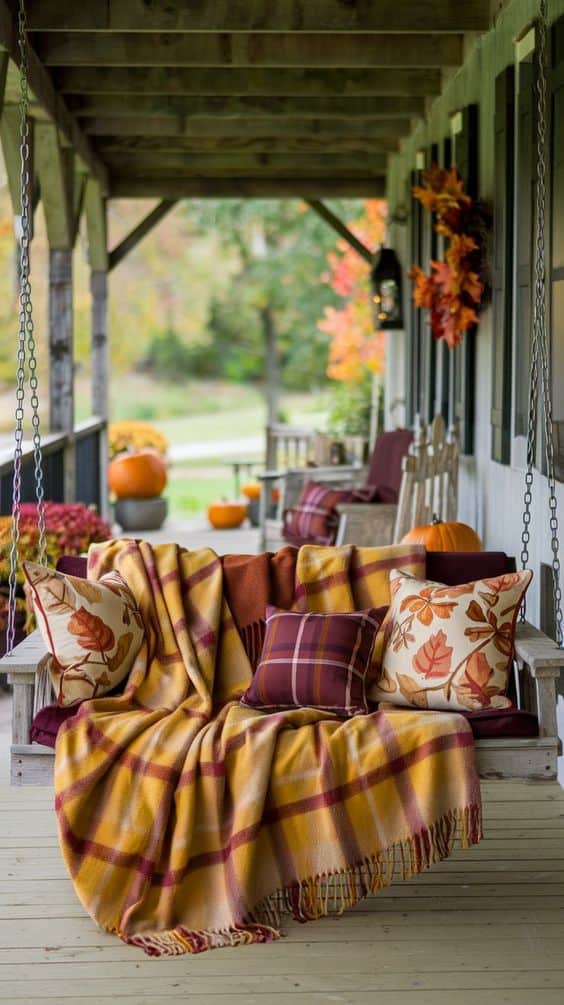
315	661
314	519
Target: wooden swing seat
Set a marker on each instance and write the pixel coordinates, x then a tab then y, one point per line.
539	661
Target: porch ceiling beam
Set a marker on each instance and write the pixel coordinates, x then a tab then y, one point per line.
248	50
260	15
44	92
197	128
330	218
255	188
139	232
300	145
245	164
93	105
232	81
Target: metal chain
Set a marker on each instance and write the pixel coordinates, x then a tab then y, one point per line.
539	349
26	345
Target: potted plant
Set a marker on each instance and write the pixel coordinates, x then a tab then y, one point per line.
137	475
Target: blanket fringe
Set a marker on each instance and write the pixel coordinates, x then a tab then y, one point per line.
328	893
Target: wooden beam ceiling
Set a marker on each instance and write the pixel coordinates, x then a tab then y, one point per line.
248	50
164	162
330	129
96	105
361	145
43	90
261	15
169	98
247	188
232	81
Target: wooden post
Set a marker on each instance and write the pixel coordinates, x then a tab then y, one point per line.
101	373
96	225
61	370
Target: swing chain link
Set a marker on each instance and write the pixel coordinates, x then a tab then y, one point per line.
26	341
539	348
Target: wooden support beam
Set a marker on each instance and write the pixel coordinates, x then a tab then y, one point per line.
252	188
44	92
145	105
264	165
300	145
56	179
233	81
337	225
10	136
260	15
96	226
330	129
139	232
61	357
244	49
100	350
100	364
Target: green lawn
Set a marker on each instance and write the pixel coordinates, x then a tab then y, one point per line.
191	493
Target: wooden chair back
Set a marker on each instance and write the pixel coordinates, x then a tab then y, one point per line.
429	485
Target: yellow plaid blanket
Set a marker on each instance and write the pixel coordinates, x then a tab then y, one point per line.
188	821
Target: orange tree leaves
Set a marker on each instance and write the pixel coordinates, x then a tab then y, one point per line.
433	658
92	633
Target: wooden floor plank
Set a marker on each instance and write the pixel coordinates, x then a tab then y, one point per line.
483	928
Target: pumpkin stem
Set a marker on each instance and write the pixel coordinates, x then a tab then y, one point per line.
436	519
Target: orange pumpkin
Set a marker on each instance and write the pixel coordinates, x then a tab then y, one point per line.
251	490
137	476
439	536
226	515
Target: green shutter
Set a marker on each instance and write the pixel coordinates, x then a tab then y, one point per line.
523	238
466	159
502	271
414	317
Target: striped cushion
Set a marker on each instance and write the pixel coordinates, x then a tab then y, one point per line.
314	519
315	660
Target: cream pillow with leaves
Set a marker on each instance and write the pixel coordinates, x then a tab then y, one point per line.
450	647
93	630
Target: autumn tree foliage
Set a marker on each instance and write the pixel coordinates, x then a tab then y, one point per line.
354	347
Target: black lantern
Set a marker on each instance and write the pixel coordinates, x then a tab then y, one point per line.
385	279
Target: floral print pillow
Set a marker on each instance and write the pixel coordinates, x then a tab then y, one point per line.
450	647
93	630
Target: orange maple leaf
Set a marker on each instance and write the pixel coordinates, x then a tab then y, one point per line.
433	658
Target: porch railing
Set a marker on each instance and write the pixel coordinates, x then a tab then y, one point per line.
298	447
74	468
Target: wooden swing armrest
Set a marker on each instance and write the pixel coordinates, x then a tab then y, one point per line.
540	661
21	668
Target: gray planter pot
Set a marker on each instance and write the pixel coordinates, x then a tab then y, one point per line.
141	514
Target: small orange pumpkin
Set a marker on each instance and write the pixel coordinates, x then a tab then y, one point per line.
439	536
226	515
251	490
141	475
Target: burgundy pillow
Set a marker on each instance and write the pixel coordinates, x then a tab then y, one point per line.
314	519
315	661
48	722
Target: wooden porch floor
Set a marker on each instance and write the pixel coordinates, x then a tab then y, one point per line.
486	927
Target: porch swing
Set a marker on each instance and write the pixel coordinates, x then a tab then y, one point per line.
538	659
